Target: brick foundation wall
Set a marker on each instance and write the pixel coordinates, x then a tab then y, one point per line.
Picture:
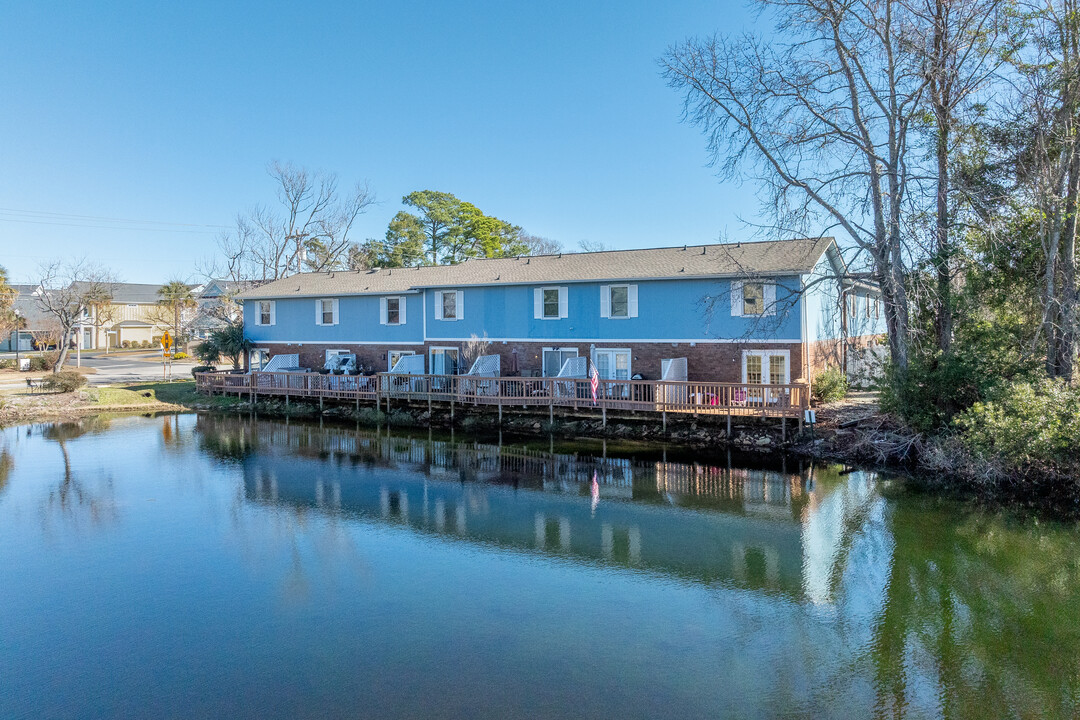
720	362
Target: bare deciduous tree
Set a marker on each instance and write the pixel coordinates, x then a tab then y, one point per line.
1048	165
74	294
825	119
308	230
539	245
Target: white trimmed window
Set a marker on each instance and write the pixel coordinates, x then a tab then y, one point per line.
550	303
326	311
392	310
266	312
449	305
618	301
753	298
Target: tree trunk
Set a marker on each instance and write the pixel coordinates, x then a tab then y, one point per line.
1066	347
1050	295
941	102
64	347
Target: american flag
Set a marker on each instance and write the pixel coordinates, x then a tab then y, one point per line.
594	383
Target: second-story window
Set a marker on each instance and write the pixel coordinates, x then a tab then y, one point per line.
266	313
753	298
549	303
618	301
326	312
448	305
392	310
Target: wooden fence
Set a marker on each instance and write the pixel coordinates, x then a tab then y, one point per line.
654	396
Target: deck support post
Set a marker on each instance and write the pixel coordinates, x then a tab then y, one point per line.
429	404
783	428
729	426
500	413
451	411
551	415
320	403
663	415
603	415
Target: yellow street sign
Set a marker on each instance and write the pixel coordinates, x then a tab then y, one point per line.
166	341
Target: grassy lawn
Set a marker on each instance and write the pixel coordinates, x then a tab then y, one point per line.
121	396
179	393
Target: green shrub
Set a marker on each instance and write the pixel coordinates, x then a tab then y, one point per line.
1027	424
830	385
40	363
180	356
371	416
7	364
144	344
939	386
65	381
125	344
201	369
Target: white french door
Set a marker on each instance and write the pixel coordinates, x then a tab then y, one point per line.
612	364
766	367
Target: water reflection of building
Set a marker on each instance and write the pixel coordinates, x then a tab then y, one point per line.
702	523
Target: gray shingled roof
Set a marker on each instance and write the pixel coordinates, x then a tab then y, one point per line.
791	257
131	292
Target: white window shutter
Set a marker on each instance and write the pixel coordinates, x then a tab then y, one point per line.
605	301
770	299
631	300
736	298
538	303
382	311
401	310
273	312
460	305
438	305
564	310
337	315
318	312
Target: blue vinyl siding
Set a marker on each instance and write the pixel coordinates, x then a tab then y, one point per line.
358	321
667	310
823	313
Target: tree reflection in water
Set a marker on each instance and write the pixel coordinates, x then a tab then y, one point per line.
76	496
954	612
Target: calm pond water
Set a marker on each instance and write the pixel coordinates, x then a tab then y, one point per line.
186	566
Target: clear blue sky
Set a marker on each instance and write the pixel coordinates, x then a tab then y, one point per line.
551	115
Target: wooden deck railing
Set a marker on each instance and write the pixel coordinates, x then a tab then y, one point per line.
697	398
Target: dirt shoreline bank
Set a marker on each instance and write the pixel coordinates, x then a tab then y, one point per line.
852	433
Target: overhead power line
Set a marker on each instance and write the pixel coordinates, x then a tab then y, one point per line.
41	217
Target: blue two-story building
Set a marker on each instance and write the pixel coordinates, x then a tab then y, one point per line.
770	312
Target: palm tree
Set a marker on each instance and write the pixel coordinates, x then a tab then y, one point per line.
176	297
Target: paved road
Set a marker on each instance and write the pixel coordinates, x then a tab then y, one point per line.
119	368
131	368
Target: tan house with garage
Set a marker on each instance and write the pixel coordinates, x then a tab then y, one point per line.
133	316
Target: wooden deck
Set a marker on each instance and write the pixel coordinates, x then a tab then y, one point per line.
646	396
